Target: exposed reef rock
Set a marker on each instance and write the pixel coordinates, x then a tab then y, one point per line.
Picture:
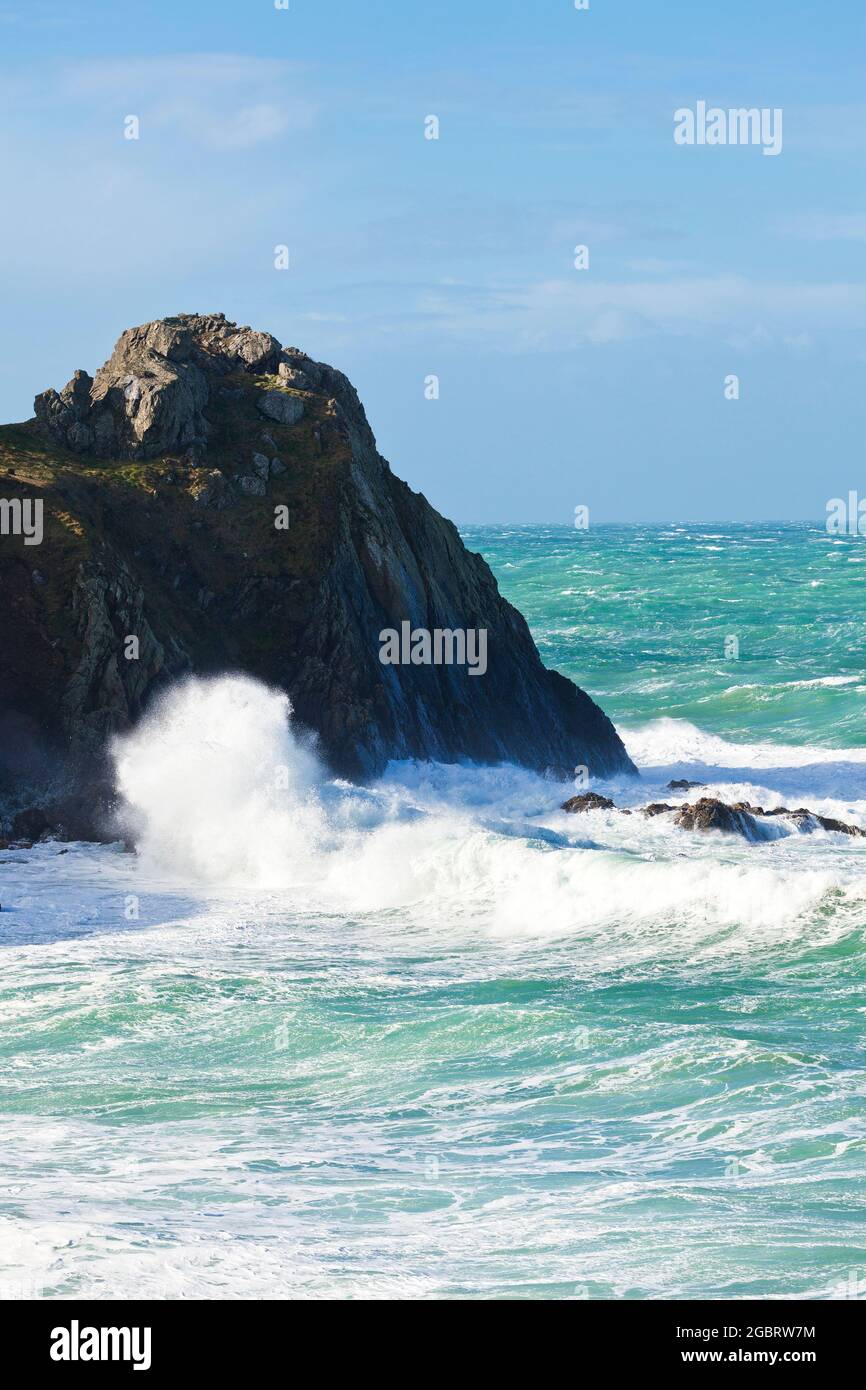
588	801
805	820
710	814
220	500
740	818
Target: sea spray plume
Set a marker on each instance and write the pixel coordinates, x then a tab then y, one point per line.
216	786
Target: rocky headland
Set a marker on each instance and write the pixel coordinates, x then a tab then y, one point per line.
220	499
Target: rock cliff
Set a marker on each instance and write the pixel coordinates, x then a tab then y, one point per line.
213	501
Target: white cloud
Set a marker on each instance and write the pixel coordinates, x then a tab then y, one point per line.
555	314
93	205
222	101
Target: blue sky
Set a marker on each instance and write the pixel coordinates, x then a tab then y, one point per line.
412	257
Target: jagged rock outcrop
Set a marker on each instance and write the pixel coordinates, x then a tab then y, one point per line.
804	819
709	813
588	801
220	499
742	818
151	395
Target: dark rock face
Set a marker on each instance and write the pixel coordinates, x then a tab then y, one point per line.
88	815
710	814
684	785
245	521
588	801
742	818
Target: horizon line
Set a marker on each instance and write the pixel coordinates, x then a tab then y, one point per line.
710	521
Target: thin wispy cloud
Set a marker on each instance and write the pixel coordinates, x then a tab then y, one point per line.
62	146
560	314
222	101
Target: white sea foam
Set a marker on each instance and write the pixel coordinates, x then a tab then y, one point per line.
216	785
330	988
818	681
665	742
224	795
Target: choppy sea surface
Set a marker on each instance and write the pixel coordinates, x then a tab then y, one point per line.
436	1038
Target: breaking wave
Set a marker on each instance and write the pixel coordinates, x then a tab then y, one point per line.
222	793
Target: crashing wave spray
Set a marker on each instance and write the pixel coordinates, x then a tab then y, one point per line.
218	788
221	792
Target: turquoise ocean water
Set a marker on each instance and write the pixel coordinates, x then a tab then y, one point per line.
435	1038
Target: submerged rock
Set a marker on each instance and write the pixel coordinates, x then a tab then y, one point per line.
684	785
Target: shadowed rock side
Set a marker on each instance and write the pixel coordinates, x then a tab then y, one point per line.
160	478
